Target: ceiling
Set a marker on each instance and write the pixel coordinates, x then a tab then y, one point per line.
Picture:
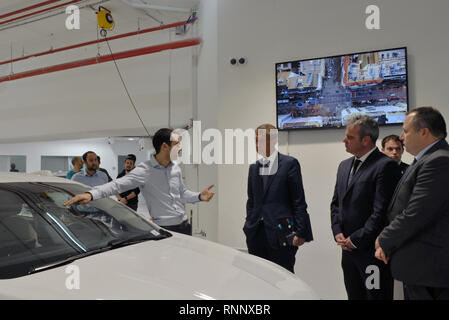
30	36
36	115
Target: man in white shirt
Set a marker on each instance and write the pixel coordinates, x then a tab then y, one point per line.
160	182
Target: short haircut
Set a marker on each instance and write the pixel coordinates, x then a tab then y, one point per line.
393	137
368	126
162	136
267	127
74	159
131	157
87	153
431	118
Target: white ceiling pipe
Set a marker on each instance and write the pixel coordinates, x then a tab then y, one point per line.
144	5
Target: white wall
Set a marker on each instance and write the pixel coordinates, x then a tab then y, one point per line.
107	152
270	31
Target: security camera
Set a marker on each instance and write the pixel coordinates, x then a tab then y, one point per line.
233	61
242	60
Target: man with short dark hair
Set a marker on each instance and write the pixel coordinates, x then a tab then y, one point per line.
77	163
13	168
364	186
160	179
130	197
393	147
417	238
90	175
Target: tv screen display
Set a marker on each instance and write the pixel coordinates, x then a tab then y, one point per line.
324	92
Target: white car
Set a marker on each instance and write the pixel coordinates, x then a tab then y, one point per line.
104	250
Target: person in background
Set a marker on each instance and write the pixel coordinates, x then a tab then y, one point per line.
416	241
13	168
160	181
77	163
90	175
365	184
393	147
103	170
130	197
275	196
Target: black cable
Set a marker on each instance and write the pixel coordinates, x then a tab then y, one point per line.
126	89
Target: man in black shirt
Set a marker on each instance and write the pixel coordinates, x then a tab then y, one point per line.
103	169
130	197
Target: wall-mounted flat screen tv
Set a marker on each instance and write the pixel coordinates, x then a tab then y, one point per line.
324	92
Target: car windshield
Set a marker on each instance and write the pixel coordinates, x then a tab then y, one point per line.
37	231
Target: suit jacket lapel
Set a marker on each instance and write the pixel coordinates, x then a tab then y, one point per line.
259	182
346	170
442	143
362	167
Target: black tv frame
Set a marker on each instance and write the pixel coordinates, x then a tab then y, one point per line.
335	56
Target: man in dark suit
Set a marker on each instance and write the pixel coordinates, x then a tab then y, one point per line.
365	184
277	222
417	238
393	147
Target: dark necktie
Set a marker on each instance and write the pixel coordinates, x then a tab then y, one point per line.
356	164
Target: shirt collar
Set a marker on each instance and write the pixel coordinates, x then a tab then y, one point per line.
271	158
88	175
155	164
366	155
423	151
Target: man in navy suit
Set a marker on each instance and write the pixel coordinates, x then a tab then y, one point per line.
365	184
277	222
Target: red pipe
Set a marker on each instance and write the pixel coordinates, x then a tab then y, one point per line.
102	59
176	24
40	11
28	8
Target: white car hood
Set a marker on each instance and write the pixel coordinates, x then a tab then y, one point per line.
179	267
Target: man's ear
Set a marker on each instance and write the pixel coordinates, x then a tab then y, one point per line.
425	132
366	140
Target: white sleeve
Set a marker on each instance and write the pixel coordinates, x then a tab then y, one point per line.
187	195
132	180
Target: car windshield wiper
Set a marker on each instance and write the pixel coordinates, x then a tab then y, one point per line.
117	243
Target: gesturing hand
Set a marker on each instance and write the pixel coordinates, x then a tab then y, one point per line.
82	198
206	195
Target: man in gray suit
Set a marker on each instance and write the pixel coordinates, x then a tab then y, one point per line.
417	238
